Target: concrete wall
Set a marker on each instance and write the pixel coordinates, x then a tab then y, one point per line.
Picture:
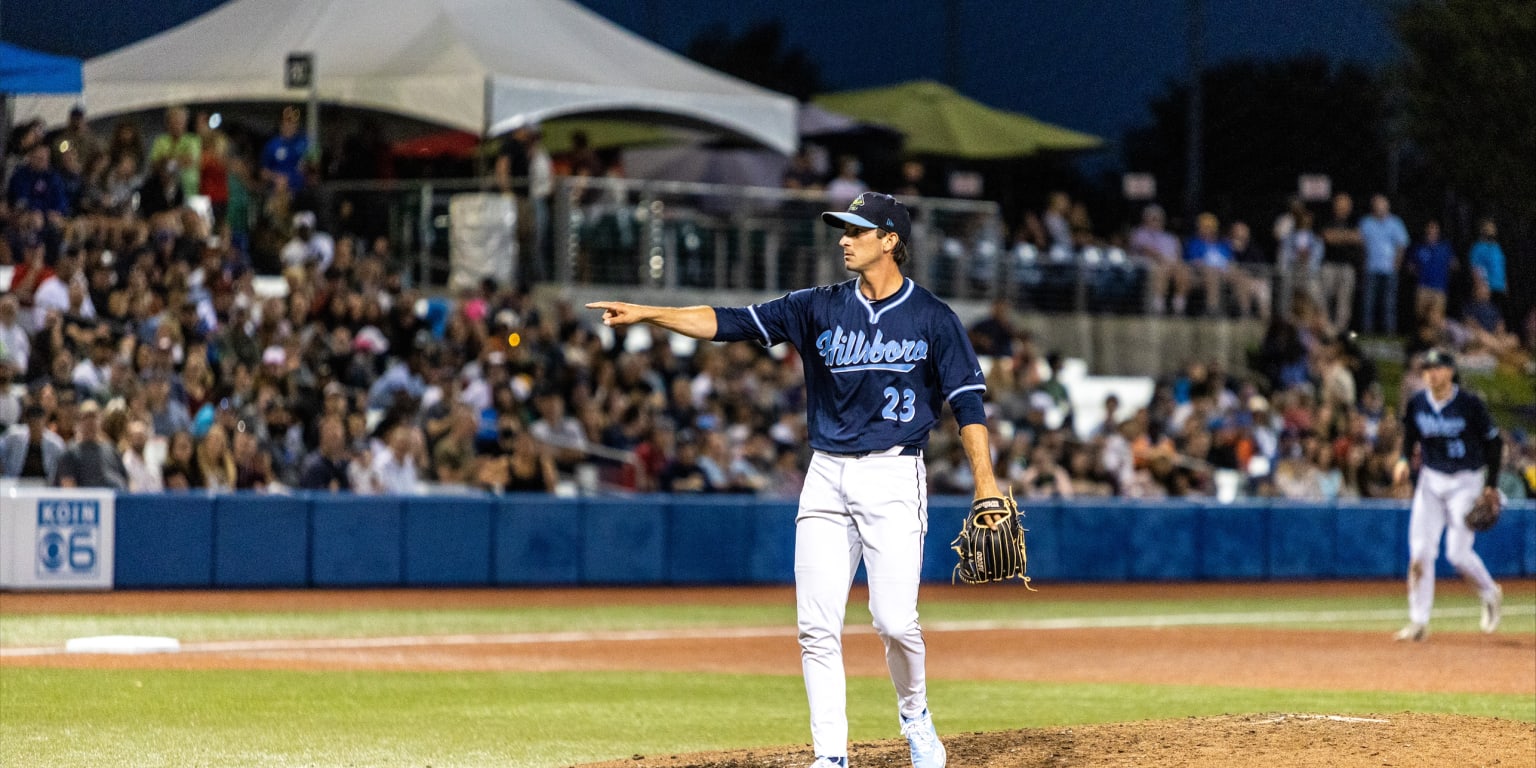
1113	345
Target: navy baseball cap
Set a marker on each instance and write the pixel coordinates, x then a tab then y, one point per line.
874	210
1438	357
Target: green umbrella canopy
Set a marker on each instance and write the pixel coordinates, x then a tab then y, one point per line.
607	133
939	121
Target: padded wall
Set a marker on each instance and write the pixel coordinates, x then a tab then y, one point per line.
329	540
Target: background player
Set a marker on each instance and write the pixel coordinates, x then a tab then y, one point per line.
882	356
1460	449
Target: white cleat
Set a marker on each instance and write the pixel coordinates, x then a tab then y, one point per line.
1412	633
830	762
927	750
1492	608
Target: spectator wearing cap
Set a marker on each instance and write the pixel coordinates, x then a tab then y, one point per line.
91	462
33	452
308	247
75	138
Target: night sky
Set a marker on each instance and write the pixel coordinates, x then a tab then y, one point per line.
1091	65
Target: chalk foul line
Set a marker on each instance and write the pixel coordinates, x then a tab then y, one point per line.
644	635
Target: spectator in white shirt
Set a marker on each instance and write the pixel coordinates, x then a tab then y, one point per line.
93	375
308	246
394	467
141	464
53	293
10	400
15	342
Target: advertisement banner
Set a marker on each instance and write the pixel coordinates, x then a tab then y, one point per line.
56	538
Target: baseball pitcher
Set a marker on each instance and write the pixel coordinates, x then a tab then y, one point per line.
882	357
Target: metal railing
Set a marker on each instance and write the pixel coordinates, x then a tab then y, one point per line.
669	235
710	238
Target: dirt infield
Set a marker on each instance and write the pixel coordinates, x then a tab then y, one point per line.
1247	657
1269	740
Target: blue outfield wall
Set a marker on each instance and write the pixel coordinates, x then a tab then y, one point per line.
324	540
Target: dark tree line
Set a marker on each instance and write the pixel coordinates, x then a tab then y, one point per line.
1265	123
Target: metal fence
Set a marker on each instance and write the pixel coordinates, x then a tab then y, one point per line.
692	237
676	235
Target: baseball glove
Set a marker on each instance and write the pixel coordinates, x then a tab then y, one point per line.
991	553
1485	512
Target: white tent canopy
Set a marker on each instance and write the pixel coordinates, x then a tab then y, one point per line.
484	66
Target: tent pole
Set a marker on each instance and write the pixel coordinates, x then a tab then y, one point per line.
312	122
485	129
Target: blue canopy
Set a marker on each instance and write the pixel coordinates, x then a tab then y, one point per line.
23	70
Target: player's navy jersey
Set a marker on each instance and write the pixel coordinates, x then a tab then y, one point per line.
876	373
1453	435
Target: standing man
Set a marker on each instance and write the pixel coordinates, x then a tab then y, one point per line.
282	159
1385	240
1341	262
882	356
179	151
1461	451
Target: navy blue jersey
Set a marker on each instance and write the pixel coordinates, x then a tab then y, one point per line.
1454	436
876	373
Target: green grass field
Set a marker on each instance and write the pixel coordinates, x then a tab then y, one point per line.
89	718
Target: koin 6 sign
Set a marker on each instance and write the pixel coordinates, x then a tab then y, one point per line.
68	535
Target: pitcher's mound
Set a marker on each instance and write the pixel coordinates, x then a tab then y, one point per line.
1275	740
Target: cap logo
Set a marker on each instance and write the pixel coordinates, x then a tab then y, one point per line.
858	201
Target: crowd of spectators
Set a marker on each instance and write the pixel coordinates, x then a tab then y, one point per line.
140	351
1310	421
1311	424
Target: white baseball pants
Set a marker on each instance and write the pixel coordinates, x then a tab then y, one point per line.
875	509
1440	505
